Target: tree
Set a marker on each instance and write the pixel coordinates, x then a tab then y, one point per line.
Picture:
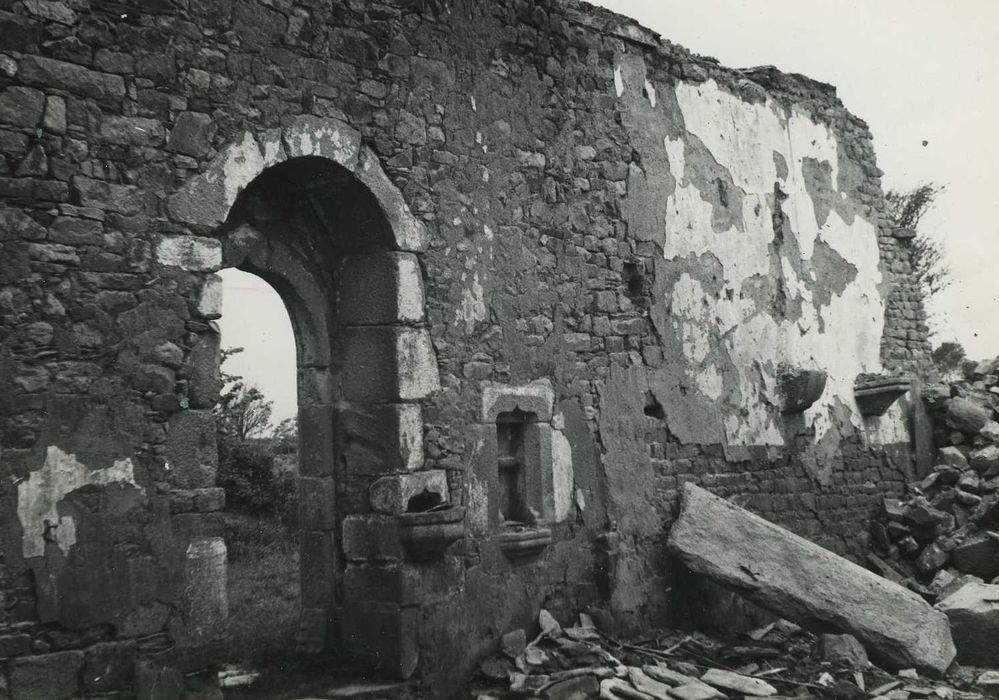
949	358
242	410
286	436
905	210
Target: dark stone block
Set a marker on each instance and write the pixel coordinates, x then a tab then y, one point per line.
49	72
191	450
48	677
109	667
22	107
383	637
192	134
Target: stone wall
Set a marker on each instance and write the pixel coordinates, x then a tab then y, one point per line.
574	220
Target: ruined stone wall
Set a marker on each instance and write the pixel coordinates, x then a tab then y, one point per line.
626	241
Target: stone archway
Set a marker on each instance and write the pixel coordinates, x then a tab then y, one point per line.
309	210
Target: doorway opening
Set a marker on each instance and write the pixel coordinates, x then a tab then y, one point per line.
257	426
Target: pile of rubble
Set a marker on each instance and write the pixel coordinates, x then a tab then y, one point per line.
945	533
778	660
788	576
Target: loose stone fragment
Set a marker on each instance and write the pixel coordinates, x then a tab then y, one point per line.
764	562
735	682
973	612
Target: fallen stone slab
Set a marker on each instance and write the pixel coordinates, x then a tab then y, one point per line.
744	685
974	621
807	584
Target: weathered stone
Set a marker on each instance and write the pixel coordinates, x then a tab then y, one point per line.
49	72
48	677
154	681
190	449
973	612
744	685
124	199
735	547
109	667
389	364
931	558
977	555
580	687
385	638
381	289
192	253
371	538
380	438
409	493
967	415
696	691
953	457
21	106
206	602
956	584
844	649
985	460
645	684
131	131
192	134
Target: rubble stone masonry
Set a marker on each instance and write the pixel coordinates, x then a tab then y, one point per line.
511	235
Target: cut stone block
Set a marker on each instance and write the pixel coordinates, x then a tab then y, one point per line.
381	290
388	364
206	602
977	555
371	538
191	253
973	612
315	440
316	503
402	493
537	398
807	584
317	563
380	438
381	637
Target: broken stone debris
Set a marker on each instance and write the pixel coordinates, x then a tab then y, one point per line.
580	662
973	612
791	576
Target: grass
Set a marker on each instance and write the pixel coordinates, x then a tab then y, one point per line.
263	587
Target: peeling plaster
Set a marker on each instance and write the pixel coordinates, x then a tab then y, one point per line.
766	261
472	308
618	81
38	498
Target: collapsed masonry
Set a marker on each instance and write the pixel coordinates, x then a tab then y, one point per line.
942	539
544	267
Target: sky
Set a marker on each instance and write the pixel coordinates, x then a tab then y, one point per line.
923	75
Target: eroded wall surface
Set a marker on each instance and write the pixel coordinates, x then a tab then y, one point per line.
647	236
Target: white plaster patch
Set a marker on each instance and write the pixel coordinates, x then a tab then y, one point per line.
191	253
562	476
650	91
890	428
210	298
39	495
472	308
709	381
418	375
618	81
743	137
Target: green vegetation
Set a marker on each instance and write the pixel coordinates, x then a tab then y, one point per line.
259	476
